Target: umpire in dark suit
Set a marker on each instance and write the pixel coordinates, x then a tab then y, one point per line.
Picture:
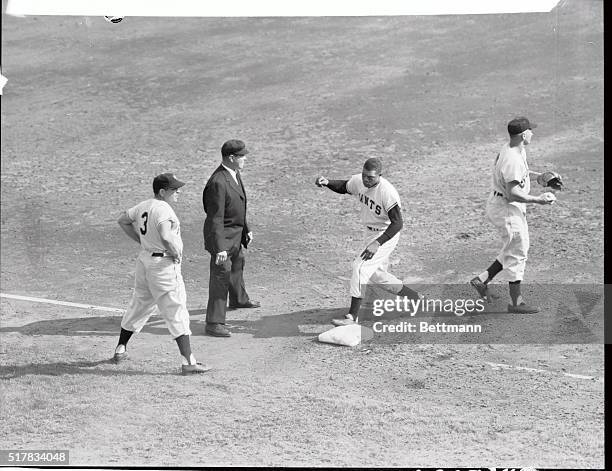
225	233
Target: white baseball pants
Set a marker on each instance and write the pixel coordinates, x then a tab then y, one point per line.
374	270
511	223
158	286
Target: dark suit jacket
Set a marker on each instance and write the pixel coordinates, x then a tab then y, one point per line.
224	202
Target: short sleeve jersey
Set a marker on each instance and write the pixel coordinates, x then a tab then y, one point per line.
375	202
511	165
147	216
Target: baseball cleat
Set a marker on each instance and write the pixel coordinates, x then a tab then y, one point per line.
522	309
483	289
348	320
194	369
119	357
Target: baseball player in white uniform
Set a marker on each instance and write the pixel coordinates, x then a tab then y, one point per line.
381	216
506	208
158	286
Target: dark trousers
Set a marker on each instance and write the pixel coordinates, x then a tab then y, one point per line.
225	279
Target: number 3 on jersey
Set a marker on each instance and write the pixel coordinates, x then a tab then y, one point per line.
145	216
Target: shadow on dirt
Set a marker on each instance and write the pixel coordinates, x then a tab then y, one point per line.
568	314
84	326
73	368
281	325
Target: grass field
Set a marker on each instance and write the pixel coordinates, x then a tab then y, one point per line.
92	111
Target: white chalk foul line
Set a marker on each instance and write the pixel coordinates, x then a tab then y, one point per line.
538	370
60	303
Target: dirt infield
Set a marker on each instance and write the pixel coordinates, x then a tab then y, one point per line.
92	111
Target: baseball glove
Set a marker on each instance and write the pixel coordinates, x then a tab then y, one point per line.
551	179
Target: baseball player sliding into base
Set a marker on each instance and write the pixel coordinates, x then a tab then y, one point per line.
506	208
158	284
381	216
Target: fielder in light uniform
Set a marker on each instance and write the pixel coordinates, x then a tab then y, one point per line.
158	285
381	216
506	209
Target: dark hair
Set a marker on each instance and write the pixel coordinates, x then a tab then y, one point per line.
158	185
373	163
233	147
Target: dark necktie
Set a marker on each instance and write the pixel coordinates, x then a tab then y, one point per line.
240	182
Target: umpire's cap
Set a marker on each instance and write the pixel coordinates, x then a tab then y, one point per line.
233	147
166	181
519	125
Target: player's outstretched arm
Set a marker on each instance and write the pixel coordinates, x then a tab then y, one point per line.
126	224
338	186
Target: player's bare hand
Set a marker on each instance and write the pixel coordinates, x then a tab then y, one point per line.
321	181
547	198
249	237
370	250
221	258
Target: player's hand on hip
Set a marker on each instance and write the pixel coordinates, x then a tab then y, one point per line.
249	237
370	250
221	258
321	181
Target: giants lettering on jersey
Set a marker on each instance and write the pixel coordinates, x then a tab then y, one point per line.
370	203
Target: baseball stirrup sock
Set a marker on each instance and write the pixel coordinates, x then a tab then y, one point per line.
493	270
124	336
408	293
355	305
515	291
184	346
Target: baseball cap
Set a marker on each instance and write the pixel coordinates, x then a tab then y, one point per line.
519	125
234	147
166	181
